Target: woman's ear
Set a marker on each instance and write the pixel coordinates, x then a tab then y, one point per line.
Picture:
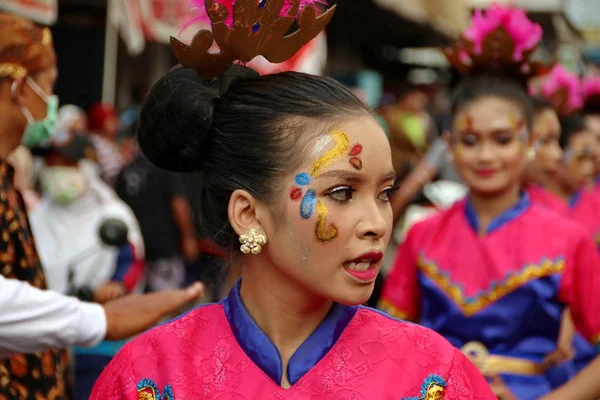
243	214
16	90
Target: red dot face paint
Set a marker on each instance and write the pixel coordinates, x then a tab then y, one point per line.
355	161
295	193
356	150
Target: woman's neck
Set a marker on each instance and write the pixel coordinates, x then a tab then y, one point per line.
564	191
553	186
281	308
489	206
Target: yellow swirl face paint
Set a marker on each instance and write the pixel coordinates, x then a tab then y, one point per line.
341	147
323	231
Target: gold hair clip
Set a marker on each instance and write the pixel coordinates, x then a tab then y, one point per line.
257	29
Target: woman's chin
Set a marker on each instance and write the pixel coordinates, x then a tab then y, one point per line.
355	296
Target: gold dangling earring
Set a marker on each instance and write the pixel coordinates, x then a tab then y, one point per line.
252	242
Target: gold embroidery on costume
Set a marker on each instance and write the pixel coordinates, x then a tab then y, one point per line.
147	390
433	388
435	392
472	305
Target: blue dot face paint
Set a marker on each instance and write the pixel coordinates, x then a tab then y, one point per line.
307	206
324	232
303	179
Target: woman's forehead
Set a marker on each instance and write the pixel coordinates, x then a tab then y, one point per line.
488	114
345	146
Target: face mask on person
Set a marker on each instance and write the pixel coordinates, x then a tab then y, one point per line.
39	132
63	184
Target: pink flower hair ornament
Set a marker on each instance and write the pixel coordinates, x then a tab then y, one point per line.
563	89
500	40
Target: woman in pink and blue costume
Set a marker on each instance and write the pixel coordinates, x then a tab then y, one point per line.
591	110
544	166
494	272
574	183
578	145
296	178
498	276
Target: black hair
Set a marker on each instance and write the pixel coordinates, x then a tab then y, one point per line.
541	104
480	86
242	131
571	126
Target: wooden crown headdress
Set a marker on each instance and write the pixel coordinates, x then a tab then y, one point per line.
258	27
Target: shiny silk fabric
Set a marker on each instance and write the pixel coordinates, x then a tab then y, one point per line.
505	289
371	356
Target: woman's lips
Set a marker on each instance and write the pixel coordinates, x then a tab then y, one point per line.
485	172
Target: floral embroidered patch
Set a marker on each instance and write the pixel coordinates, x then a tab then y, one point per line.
148	390
433	388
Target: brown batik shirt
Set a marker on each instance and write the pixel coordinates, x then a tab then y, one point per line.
38	376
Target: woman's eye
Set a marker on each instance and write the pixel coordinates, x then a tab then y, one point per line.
386	194
468	140
341	194
504	139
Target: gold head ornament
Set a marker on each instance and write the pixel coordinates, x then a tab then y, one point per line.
258	29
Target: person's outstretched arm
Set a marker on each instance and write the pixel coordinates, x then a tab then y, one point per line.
33	320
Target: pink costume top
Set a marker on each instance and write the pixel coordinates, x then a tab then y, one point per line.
504	290
217	351
584	207
544	197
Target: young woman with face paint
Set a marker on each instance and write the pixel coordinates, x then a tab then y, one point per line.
297	175
546	178
544	166
493	273
591	110
577	180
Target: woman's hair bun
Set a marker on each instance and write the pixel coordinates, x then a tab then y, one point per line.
176	126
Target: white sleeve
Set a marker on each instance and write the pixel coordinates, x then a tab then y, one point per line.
33	320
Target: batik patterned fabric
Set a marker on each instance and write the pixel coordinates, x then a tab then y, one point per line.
218	352
504	290
43	375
